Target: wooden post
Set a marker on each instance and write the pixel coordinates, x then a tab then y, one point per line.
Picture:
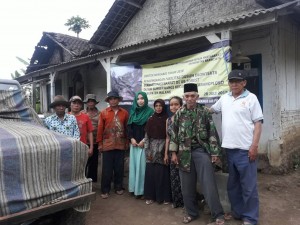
52	85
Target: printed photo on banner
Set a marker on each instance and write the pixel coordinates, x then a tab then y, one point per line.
126	80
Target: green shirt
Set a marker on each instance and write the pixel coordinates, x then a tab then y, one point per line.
193	127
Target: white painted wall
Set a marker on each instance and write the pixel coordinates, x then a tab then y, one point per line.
289	64
95	82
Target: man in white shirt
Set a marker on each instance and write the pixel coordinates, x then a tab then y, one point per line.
241	129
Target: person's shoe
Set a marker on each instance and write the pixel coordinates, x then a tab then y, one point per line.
104	195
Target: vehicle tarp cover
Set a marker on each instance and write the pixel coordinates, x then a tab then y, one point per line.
37	166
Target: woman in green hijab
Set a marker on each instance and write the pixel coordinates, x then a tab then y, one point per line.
139	114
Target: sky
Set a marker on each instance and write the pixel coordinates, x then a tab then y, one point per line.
24	21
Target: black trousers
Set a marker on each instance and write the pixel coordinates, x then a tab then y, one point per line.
92	165
112	168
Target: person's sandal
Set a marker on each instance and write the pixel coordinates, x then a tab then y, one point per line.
187	219
246	223
218	222
149	202
120	192
104	196
230	216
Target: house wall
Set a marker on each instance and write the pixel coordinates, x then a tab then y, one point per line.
161	17
259	41
278	44
95	81
289	90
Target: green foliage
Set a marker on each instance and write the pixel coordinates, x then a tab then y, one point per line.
76	24
23	61
17	74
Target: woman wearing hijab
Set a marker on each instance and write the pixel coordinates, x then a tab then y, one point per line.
157	177
139	115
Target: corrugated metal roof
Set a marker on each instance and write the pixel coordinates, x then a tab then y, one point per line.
115	21
121	13
231	19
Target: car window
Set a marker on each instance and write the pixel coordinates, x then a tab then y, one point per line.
9	87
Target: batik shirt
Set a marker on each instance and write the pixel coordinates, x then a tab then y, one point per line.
67	126
154	150
112	133
193	127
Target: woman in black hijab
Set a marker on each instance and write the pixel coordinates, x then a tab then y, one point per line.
157	178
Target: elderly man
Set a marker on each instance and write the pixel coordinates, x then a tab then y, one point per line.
112	141
60	121
195	145
241	128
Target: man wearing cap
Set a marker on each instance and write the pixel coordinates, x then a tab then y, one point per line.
195	145
84	122
60	121
241	128
93	113
112	142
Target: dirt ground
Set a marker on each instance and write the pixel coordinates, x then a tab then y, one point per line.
279	205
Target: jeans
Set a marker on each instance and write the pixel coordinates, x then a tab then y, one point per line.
241	186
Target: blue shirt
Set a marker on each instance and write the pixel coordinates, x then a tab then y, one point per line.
67	126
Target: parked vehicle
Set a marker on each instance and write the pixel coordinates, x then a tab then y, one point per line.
41	172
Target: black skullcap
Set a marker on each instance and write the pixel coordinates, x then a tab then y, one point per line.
189	87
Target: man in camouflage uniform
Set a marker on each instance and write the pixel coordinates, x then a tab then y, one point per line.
194	146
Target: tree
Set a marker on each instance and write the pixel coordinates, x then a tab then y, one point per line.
76	24
17	74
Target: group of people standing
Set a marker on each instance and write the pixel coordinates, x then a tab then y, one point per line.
150	175
79	124
169	155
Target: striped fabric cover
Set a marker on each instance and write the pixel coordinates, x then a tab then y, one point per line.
37	166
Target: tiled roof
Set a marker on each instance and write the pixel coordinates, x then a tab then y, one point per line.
76	46
72	47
